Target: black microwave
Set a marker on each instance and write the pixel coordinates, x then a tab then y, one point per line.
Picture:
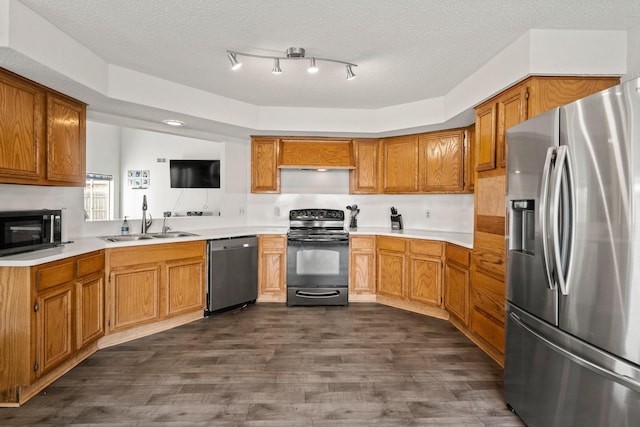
24	231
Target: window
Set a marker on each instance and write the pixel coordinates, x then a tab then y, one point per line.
98	197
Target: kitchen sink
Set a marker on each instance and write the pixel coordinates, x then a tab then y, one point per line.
150	236
172	234
127	238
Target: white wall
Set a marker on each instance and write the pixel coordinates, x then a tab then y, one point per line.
103	156
312	189
633	58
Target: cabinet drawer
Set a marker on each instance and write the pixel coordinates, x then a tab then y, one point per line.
273	242
54	275
362	243
425	247
90	264
488	295
491	331
391	244
458	254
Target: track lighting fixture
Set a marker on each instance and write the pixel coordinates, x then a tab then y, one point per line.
292	53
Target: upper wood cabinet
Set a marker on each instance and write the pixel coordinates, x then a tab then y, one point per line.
42	133
66	140
364	178
399	164
315	153
442	161
22	113
520	102
265	177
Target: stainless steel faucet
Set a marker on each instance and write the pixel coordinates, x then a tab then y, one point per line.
145	223
165	227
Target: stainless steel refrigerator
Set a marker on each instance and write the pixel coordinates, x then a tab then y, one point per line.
572	354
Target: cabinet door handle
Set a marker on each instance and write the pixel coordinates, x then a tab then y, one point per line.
36	306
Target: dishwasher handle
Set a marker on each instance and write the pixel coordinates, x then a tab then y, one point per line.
232	243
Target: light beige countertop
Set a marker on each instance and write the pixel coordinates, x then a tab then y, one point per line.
462	239
89	244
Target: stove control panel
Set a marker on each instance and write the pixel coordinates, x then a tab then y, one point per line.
316	214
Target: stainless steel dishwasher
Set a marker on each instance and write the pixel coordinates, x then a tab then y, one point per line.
233	273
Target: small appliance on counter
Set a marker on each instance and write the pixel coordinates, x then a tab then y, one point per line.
396	219
353	218
25	231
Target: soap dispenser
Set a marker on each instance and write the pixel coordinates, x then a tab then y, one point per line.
124	229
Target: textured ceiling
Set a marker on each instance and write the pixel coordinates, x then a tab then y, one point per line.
406	50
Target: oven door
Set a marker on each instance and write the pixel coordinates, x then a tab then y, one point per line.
317	263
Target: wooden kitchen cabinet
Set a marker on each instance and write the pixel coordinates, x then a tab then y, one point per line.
456	282
399	164
364	178
265	176
425	272
134	296
442	161
272	267
494	117
410	270
520	102
23	113
54	328
391	267
66	140
328	153
150	283
362	265
47	131
181	294
68	310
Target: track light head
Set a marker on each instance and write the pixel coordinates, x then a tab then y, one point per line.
313	68
234	62
276	66
350	74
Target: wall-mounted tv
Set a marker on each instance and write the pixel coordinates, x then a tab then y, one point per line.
195	173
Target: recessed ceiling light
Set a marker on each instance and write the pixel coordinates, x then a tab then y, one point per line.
173	122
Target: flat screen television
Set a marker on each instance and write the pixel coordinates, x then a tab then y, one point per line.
195	173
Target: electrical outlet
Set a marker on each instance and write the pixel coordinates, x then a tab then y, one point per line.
276	211
427	214
242	211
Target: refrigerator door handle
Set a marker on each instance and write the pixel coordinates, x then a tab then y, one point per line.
624	380
547	261
562	167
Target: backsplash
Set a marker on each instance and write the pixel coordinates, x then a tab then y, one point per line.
447	212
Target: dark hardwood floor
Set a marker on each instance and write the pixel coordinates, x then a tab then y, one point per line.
270	365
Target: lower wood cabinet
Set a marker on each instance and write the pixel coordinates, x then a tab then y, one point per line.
362	265
154	282
51	315
272	267
134	296
456	282
89	309
410	270
54	328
